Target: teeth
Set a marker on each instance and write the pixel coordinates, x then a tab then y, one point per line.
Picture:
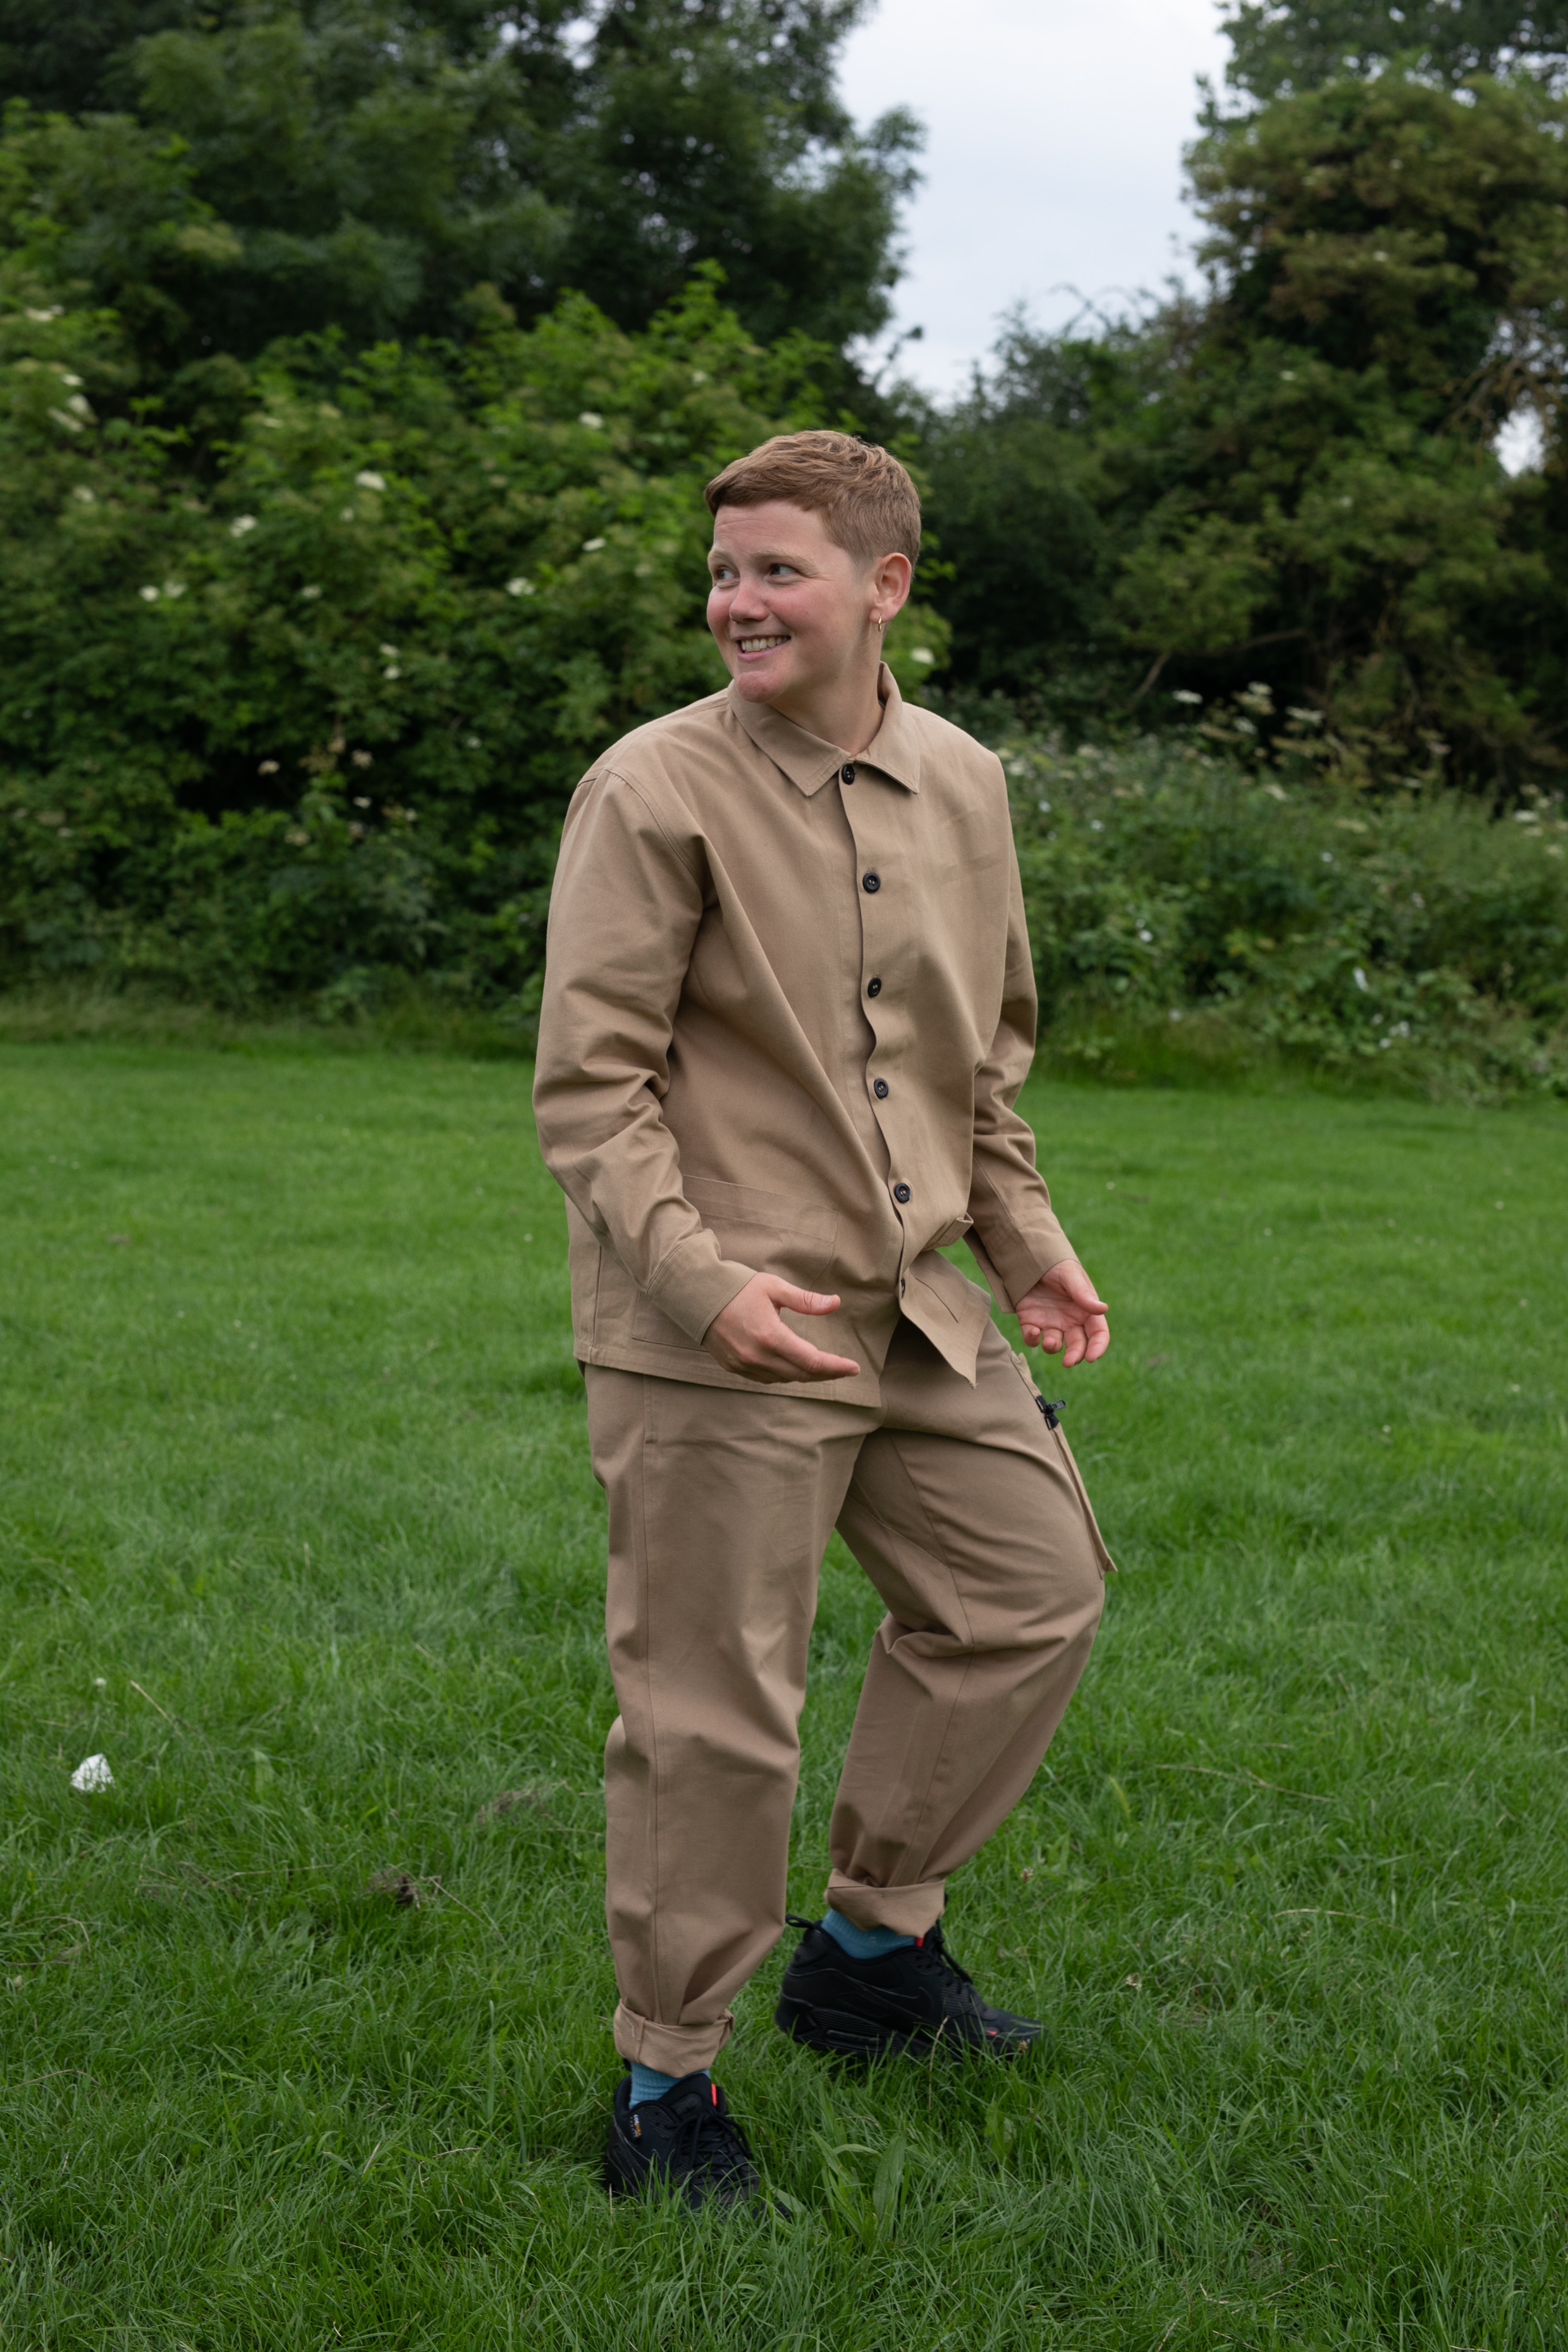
761	644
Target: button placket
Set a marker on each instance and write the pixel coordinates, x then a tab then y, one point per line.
876	907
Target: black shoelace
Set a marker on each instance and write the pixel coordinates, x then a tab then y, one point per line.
707	2140
936	1955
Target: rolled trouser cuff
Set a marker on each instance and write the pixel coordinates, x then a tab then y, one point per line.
672	2049
907	1910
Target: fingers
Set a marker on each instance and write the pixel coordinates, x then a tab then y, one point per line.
815	1365
750	1336
1076	1343
789	1358
1076	1289
803	1302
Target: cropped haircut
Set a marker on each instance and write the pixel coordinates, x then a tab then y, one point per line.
868	503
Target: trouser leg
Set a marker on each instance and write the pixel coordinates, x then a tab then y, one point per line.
720	1505
966	1512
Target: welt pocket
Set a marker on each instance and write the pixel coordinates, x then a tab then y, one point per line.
768	1230
724	1204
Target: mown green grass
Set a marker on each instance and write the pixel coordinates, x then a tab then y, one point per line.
298	1528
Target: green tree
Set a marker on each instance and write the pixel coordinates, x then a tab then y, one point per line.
364	165
297	709
1294	480
1278	49
314	710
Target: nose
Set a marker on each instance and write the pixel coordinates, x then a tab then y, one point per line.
748	603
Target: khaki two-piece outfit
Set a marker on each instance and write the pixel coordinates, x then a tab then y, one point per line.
788	1006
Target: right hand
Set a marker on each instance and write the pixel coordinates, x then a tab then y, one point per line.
750	1337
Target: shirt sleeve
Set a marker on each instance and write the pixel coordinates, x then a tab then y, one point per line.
624	915
1015	1236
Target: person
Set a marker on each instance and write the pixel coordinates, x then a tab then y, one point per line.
788	1005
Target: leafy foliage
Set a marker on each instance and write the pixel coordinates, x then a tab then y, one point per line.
353	163
1295	478
1280	48
293	711
1174	880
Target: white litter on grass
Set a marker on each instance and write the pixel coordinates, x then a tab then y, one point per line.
92	1774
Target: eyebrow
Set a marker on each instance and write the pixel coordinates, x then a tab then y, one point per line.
768	555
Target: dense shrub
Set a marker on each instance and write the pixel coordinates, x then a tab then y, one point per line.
1168	882
1295	476
300	709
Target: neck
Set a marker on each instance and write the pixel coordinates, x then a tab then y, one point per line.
847	713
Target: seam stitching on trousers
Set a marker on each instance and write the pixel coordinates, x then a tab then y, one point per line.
646	1581
933	1552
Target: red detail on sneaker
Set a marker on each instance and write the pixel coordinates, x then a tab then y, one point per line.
714	2088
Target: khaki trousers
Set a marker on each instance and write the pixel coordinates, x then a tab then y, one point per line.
968	1515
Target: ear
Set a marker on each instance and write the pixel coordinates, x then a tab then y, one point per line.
892	576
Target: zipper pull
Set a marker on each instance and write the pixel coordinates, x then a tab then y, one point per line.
1051	1411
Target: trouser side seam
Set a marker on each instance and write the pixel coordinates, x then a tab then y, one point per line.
655	1781
933	1552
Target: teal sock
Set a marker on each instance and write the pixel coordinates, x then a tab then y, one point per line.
648	2083
863	1943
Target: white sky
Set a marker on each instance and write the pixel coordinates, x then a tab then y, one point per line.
1055	130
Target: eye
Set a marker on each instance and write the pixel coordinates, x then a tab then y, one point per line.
721	571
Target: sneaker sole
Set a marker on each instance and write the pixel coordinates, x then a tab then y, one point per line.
623	2177
839	2034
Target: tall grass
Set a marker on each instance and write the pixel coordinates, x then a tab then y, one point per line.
306	2018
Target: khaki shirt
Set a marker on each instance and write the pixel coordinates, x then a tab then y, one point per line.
788	1005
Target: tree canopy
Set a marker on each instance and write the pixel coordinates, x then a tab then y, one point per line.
1279	50
1292	480
224	175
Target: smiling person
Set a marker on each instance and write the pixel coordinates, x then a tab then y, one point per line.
788	1006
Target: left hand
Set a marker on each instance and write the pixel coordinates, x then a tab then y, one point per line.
1064	1315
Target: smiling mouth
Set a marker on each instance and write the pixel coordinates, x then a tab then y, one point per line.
761	644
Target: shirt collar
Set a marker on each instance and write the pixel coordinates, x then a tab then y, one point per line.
893	752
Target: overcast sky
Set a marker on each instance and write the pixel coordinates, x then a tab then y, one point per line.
1055	130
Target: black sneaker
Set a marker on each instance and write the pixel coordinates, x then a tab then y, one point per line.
686	2137
911	1999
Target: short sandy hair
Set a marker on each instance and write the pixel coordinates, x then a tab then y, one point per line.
868	503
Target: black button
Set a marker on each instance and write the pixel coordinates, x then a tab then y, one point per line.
879	1088
873	988
846	774
900	1192
870	881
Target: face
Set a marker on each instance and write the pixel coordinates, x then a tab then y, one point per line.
793	613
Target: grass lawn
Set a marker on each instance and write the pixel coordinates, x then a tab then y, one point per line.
297	1527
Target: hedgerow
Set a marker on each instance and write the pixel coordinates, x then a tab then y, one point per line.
295	710
1169	882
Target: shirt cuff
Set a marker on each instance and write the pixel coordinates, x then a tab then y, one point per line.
693	1283
1019	1258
